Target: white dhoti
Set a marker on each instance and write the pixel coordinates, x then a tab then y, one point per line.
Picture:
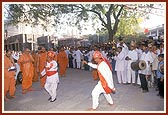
98	89
130	74
51	85
121	77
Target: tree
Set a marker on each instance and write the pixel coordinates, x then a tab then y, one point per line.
127	26
110	15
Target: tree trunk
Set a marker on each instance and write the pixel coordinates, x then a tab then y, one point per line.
110	34
113	31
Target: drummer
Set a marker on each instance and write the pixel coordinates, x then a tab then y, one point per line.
132	56
143	74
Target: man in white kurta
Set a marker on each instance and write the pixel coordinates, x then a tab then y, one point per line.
147	57
132	56
79	55
105	84
125	51
139	51
89	55
51	70
120	65
74	58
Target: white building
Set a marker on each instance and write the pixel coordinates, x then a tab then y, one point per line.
156	32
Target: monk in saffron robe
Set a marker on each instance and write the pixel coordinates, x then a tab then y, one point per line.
42	60
35	57
62	61
9	76
26	63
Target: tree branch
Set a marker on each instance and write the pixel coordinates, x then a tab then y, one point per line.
99	15
111	8
119	13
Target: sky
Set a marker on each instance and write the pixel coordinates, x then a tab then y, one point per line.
153	21
157	17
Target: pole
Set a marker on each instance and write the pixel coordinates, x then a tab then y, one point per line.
98	37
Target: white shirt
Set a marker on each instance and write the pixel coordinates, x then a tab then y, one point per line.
155	61
147	57
67	52
120	61
134	57
78	55
53	67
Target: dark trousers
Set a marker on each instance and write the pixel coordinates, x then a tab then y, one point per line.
136	76
161	87
155	79
113	65
144	83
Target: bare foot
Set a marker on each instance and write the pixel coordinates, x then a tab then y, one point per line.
6	99
13	96
91	109
111	104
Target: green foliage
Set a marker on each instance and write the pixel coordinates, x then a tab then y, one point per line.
127	26
120	18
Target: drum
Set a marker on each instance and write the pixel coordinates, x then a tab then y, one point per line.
138	65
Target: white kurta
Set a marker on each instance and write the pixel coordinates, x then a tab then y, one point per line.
78	58
147	57
155	61
131	73
89	55
98	89
120	67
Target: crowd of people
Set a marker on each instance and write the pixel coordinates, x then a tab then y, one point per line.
47	66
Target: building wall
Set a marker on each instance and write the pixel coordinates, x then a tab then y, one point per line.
20	42
156	32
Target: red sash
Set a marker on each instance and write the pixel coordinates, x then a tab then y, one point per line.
50	73
104	83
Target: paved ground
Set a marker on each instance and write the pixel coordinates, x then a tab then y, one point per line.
74	95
